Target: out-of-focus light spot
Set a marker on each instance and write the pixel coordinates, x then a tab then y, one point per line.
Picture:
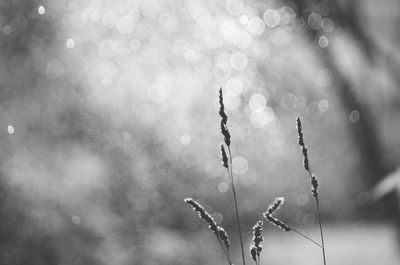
286	14
239	61
308	219
323	42
10	129
302	200
280	37
315	21
250	178
94	16
41	10
234	86
70	43
223	187
244	19
76	220
157	92
289	101
271	18
135	45
257	102
243	40
213	168
256	26
354	116
124	25
218	218
328	25
239	165
135	14
323	105
186	139
235	7
7	30
231	102
260	119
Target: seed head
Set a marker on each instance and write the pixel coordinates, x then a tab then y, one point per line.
224	157
277	223
226	134
306	162
222	107
224	237
314	186
203	214
275	205
300	132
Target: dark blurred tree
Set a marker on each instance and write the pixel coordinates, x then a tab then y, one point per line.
346	16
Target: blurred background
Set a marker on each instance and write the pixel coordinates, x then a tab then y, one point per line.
109	119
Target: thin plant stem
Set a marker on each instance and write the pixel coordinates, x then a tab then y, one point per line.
230	173
319	217
306	237
320	229
226	251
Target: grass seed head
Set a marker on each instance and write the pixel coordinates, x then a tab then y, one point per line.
300	132
314	185
224	237
226	134
224	157
203	214
222	107
275	205
277	223
306	162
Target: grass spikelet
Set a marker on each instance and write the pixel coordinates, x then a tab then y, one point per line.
275	205
314	184
224	237
256	247
224	157
203	214
313	179
222	107
276	222
224	119
220	233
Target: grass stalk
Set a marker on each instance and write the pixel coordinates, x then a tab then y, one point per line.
230	174
320	229
226	251
314	181
306	237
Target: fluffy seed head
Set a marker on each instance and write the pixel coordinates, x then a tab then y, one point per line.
306	162
203	214
253	252
224	237
275	205
300	132
314	185
257	235
277	223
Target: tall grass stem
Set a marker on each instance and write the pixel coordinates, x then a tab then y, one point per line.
230	173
